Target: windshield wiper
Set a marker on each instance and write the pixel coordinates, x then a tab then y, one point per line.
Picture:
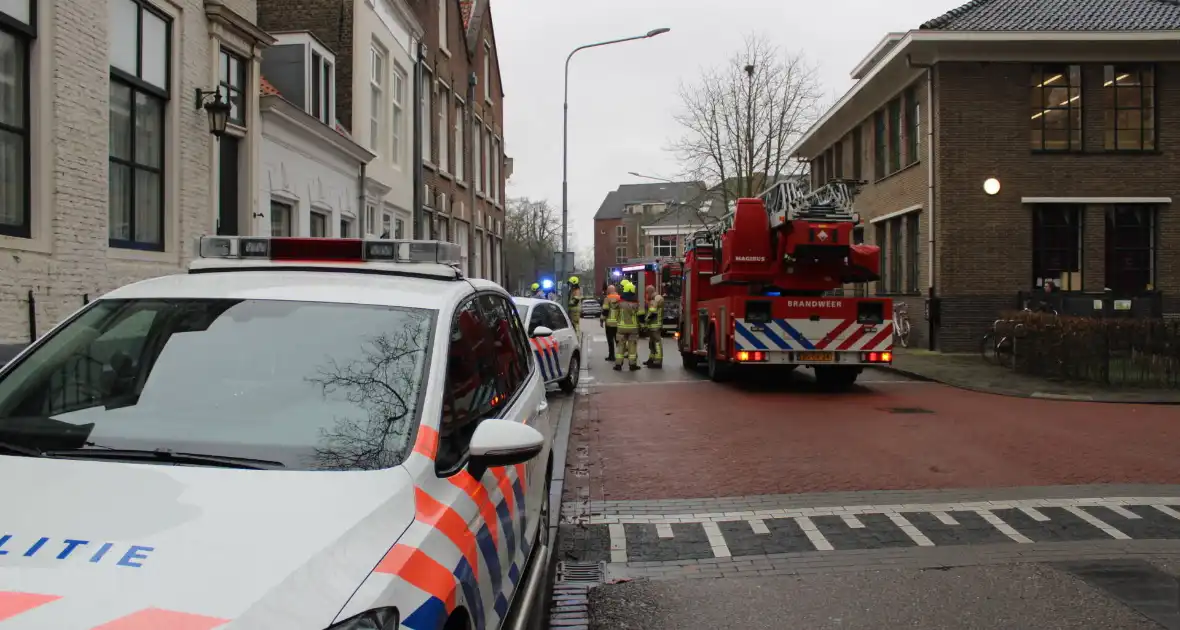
8	448
164	455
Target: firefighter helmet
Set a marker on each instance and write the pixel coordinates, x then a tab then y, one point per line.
536	286
573	281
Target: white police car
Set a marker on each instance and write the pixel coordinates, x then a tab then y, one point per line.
304	434
555	344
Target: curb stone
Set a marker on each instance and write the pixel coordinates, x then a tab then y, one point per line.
1031	395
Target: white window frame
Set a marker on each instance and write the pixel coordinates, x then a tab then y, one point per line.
327	85
386	224
443	31
496	170
397	117
350	224
370	217
487	71
477	155
460	114
378	60
487	160
322	215
288	210
444	145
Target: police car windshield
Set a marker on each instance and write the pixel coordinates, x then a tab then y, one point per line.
315	386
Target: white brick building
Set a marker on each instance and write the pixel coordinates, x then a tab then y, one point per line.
85	203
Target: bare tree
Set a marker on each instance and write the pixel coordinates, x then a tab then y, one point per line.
741	119
532	233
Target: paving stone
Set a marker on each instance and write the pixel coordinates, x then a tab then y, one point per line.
1062	526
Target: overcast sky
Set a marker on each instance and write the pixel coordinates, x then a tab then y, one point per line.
623	96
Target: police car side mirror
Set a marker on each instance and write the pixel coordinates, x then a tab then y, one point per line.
542	331
502	443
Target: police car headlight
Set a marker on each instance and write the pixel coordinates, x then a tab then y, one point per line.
378	619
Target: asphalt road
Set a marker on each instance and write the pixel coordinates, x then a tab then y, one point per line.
767	503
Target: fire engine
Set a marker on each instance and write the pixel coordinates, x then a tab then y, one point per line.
666	273
758	288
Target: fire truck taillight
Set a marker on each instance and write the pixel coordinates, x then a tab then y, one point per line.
877	357
745	356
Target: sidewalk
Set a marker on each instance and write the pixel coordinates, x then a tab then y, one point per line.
970	371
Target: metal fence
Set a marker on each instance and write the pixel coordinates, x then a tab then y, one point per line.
1117	351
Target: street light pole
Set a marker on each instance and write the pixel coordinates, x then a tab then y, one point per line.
565	119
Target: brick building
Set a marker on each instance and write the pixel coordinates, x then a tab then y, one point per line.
1067	108
115	171
450	74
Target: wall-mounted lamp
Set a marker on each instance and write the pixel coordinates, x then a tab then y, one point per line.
991	186
217	109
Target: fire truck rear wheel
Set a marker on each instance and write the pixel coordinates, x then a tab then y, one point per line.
719	370
691	361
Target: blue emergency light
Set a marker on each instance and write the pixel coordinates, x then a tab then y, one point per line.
547	283
616	273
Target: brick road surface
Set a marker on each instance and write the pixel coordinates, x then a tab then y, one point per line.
672	477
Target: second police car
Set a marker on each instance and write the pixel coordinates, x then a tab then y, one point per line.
299	434
555	342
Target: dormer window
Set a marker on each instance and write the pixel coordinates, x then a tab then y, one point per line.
303	71
233	82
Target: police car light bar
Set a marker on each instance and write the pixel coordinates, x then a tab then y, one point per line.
350	250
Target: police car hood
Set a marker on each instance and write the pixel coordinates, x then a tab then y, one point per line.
85	543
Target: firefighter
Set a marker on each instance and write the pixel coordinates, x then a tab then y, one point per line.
654	323
574	305
535	290
628	309
609	319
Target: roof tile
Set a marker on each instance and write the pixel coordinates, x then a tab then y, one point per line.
1060	15
267	89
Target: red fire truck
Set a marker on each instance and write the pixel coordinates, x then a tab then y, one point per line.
666	274
756	288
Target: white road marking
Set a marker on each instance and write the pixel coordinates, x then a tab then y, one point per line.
906	526
716	540
1167	510
759	526
618	543
1123	512
664	530
817	539
1003	527
1097	522
599	338
944	518
852	521
1034	514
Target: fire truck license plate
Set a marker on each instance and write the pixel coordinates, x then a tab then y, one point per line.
824	357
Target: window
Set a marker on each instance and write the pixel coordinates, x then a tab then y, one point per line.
895	135
895	256
1056	108
879	234
487	71
399	228
663	246
1129	104
280	219
1130	249
477	155
487	161
321	88
621	254
879	145
444	138
913	231
443	27
620	235
496	170
427	128
552	316
376	97
857	152
17	30
398	118
512	347
319	224
345	228
472	389
1057	246
838	157
168	373
232	83
913	119
386	225
370	219
139	93
459	157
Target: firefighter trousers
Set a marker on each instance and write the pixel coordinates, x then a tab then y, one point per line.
611	331
628	347
655	345
576	320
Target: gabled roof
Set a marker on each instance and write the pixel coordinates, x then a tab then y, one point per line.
475	14
627	194
1060	15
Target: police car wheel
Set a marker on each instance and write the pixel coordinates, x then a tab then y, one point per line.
570	382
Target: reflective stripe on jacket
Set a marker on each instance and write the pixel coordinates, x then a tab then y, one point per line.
610	310
628	317
655	311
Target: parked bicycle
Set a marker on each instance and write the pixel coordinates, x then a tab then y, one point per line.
901	324
998	345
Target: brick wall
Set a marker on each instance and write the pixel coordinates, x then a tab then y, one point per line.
985	242
329	20
70	93
604	246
